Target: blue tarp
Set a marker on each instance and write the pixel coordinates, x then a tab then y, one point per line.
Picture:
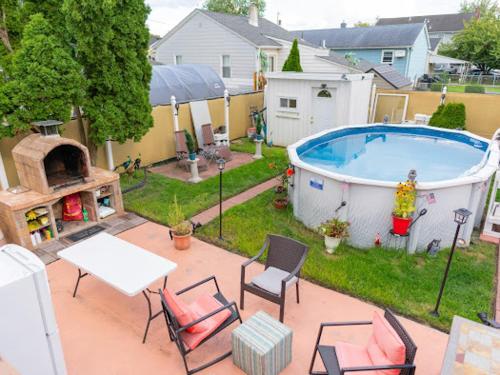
187	82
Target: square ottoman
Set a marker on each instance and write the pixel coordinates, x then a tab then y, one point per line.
262	345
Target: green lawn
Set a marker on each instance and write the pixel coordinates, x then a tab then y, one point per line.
153	201
408	284
461	88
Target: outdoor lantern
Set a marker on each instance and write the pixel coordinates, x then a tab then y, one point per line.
221	164
462	215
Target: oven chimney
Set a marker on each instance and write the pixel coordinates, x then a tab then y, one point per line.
253	15
48	128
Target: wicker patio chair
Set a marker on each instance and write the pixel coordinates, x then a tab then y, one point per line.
285	258
209	145
187	341
333	366
182	153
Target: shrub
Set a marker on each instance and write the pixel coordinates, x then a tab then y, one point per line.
436	86
292	63
450	116
474	89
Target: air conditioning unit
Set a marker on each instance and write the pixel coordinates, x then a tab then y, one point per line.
400	53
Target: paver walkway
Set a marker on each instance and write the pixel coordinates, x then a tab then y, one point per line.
101	329
210	214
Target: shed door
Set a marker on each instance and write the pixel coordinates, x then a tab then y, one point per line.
323	110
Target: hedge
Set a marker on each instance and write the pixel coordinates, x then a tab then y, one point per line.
436	86
450	116
474	89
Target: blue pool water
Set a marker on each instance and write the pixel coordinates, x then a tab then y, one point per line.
389	155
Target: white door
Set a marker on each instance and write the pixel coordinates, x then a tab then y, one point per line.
323	110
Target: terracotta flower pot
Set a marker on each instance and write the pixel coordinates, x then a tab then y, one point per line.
280	203
182	242
400	225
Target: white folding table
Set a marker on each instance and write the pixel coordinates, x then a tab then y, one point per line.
120	264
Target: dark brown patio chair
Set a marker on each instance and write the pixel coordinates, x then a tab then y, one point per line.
202	320
389	351
209	146
182	153
285	258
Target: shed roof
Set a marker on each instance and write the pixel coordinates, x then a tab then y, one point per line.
435	22
364	37
384	71
187	82
261	35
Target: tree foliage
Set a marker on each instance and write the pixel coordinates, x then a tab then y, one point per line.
362	24
478	42
238	7
292	63
481	7
44	81
111	42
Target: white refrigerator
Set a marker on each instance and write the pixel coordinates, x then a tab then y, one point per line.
29	338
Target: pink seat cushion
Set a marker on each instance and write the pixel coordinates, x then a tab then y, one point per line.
182	312
350	355
385	347
204	305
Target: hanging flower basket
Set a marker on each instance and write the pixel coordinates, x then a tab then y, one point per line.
400	225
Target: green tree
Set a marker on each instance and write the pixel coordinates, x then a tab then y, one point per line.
478	42
111	43
44	81
239	7
362	24
482	7
292	63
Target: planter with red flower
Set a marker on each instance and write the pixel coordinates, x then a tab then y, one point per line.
404	206
280	200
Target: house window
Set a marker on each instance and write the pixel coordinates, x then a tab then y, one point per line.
288	103
178	59
270	63
387	57
324	94
226	66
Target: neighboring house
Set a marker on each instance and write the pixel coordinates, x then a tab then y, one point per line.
385	76
238	47
404	47
441	27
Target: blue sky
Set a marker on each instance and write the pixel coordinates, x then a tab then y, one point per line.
300	14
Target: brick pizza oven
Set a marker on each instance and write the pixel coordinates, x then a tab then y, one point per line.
51	167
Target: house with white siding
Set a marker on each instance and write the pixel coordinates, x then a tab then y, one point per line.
238	47
404	47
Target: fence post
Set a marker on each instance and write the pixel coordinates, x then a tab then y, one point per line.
4	182
109	155
175	112
227	101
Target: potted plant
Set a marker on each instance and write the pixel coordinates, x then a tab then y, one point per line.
181	229
334	231
190	145
258	128
280	201
404	206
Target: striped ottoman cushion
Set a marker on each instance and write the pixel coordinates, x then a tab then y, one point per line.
262	345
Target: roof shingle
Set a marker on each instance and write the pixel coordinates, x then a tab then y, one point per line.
435	22
364	37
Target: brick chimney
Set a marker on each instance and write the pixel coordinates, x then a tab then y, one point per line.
253	15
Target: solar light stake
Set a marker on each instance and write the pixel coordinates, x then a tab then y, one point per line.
461	217
221	164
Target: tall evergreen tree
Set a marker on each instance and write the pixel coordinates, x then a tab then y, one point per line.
111	43
292	63
44	81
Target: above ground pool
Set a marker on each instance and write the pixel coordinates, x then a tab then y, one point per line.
362	165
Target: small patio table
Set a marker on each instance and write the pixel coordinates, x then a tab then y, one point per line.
120	264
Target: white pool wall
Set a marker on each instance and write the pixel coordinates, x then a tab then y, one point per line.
370	202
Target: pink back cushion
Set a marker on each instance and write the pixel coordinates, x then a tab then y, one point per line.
182	311
204	305
385	346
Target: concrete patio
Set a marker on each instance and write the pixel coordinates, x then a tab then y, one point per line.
101	329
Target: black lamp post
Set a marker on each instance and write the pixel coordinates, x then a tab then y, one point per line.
461	217
221	164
